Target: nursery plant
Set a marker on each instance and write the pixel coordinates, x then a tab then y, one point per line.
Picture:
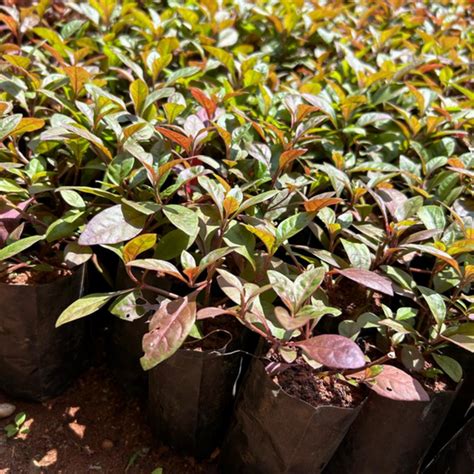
296	173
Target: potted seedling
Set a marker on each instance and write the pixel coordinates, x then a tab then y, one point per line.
200	234
419	331
42	271
303	376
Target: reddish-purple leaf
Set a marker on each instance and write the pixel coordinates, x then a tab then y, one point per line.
395	384
392	199
333	351
212	312
169	328
10	218
371	280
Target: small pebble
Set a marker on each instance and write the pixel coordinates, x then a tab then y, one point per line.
6	409
107	444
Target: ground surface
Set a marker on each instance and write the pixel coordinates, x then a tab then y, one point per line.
93	427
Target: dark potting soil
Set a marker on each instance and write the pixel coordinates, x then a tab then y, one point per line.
303	382
441	383
218	332
351	299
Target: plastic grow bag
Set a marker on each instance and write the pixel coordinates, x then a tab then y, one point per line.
191	397
38	361
391	437
457	456
275	433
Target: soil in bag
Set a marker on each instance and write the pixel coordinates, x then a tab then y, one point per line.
291	423
38	361
191	394
391	436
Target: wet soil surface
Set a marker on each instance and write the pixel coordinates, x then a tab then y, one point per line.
93	427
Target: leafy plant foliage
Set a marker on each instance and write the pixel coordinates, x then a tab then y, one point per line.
302	167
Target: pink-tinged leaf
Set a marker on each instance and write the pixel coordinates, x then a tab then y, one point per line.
422	235
462	336
10	218
289	322
169	328
395	384
155	265
10	213
371	280
212	312
435	252
112	226
333	351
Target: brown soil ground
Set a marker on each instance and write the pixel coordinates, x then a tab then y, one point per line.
92	428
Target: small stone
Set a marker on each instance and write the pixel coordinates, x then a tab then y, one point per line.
6	409
107	444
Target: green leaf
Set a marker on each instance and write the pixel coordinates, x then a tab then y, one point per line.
64	226
292	226
253	201
215	191
435	303
73	198
450	366
244	242
432	217
8	124
126	307
85	306
323	105
182	73
19	246
172	244
372	118
139	94
9	186
75	254
306	284
283	287
408	208
95	191
223	57
183	218
359	254
264	235
214	256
